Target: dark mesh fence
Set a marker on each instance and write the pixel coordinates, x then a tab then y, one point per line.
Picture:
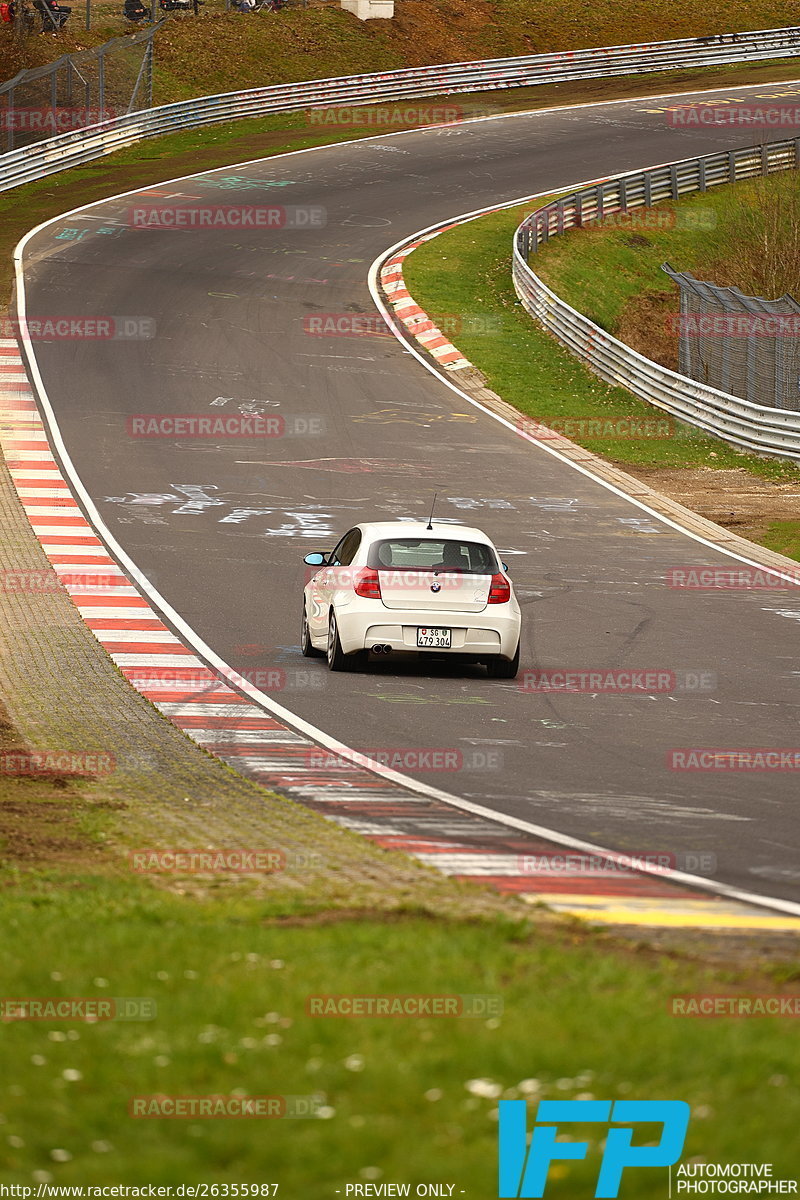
78	90
742	345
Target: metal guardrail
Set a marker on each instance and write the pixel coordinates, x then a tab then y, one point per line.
72	149
750	426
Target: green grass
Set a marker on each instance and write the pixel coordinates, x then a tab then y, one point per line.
466	272
604	270
575	1010
784	536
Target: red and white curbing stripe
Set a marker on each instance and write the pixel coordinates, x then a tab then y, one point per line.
409	313
146	651
229	725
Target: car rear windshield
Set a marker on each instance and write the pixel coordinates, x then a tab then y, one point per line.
433	554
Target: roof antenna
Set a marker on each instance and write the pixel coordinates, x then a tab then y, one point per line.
430	518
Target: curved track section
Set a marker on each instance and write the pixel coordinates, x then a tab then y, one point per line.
219	528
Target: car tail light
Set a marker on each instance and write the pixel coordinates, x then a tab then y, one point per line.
368	584
499	590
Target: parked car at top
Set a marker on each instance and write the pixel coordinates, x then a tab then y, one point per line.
434	590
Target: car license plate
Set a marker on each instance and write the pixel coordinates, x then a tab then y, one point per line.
433	639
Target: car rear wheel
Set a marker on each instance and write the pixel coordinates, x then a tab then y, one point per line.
307	648
337	659
504	668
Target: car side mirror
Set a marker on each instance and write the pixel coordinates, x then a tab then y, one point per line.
314	560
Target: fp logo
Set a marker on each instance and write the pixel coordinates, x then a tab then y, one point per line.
523	1172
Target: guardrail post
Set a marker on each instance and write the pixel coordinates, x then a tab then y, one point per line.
752	388
579	210
648	189
701	174
673	181
731	166
623	194
149	52
598	204
684	344
796	153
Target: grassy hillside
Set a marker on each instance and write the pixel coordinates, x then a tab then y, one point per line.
220	50
747	236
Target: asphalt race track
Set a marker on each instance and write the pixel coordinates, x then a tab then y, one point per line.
221	528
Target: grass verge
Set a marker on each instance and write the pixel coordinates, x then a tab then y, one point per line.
219	51
230	981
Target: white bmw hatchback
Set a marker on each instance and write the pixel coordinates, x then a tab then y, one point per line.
412	588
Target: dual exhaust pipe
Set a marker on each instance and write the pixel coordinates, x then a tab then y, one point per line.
379	649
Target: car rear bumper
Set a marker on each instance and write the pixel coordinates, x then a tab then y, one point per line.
484	634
